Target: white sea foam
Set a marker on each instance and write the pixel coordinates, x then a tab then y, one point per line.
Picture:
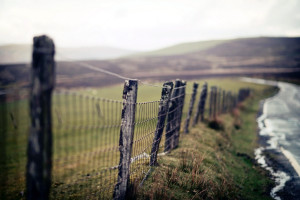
292	160
280	177
280	123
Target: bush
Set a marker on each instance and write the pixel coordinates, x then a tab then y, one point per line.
216	124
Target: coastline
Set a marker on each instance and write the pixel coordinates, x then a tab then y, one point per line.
276	161
271	155
279	163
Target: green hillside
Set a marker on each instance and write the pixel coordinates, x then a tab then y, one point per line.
255	47
183	48
233	47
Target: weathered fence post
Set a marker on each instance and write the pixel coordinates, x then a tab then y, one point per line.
171	120
180	111
203	101
229	102
235	100
3	144
201	105
243	94
197	114
223	102
162	114
126	137
191	106
211	102
219	101
240	95
39	152
215	93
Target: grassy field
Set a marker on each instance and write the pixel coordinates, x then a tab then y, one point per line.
214	164
86	135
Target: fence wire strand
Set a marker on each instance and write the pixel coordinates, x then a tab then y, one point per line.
86	134
98	69
86	143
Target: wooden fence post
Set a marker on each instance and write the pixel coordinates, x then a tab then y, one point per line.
126	137
240	95
235	100
219	101
203	101
3	144
191	106
162	114
197	114
211	102
243	94
171	120
223	101
179	113
215	103
39	151
201	105
230	102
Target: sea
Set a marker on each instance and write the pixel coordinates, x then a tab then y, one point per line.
280	124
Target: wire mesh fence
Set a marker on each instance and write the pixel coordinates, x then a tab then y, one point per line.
145	127
97	145
14	129
86	138
86	135
85	145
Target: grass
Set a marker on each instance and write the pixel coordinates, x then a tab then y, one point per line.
212	164
183	48
86	136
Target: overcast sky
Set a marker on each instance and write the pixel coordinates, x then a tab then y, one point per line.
145	24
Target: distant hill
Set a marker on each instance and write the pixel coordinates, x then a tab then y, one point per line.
183	48
237	57
11	54
234	47
253	47
261	52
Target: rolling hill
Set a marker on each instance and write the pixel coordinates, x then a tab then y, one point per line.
182	48
11	54
278	56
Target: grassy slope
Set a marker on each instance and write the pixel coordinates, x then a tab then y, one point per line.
183	48
212	164
255	47
16	141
